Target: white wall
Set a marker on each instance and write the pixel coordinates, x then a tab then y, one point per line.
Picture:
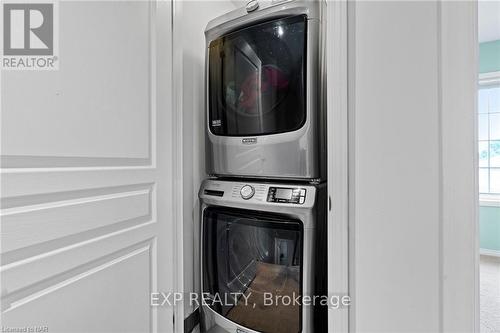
190	20
412	190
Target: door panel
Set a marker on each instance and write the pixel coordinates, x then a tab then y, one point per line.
32	224
92	291
104	83
86	175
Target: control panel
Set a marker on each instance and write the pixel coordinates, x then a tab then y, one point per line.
294	195
274	196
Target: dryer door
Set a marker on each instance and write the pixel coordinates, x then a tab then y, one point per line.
250	261
256	79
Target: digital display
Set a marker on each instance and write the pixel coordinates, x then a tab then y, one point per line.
283	193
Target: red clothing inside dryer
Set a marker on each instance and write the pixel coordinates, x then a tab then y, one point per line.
272	77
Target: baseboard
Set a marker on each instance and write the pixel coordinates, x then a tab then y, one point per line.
487	252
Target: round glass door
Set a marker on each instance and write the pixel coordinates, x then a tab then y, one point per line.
257	79
249	260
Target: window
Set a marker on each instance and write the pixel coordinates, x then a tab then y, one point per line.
489	137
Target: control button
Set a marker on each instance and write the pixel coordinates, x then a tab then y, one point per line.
302	192
301	200
252	5
247	192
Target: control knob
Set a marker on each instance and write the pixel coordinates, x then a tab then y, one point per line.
247	192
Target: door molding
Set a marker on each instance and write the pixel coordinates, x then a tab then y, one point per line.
459	196
338	164
177	188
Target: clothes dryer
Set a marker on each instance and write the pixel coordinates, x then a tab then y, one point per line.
265	116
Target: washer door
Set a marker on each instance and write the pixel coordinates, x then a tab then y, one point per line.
252	266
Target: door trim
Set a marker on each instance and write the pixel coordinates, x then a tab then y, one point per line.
459	195
338	160
177	146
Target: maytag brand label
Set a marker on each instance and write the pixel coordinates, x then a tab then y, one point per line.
239	330
249	141
216	123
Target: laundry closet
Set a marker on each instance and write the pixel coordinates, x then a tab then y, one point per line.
392	75
260	223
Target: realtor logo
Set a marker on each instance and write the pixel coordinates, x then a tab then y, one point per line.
29	36
28	29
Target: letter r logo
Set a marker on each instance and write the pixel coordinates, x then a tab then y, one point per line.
28	29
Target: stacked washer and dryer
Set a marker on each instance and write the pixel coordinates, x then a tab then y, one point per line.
263	207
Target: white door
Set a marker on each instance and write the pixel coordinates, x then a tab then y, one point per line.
86	220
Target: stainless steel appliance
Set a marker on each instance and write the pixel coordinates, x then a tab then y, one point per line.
260	241
264	112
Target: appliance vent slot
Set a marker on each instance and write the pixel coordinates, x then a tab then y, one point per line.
214	193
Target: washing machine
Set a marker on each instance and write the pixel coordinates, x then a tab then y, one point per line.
265	114
263	248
